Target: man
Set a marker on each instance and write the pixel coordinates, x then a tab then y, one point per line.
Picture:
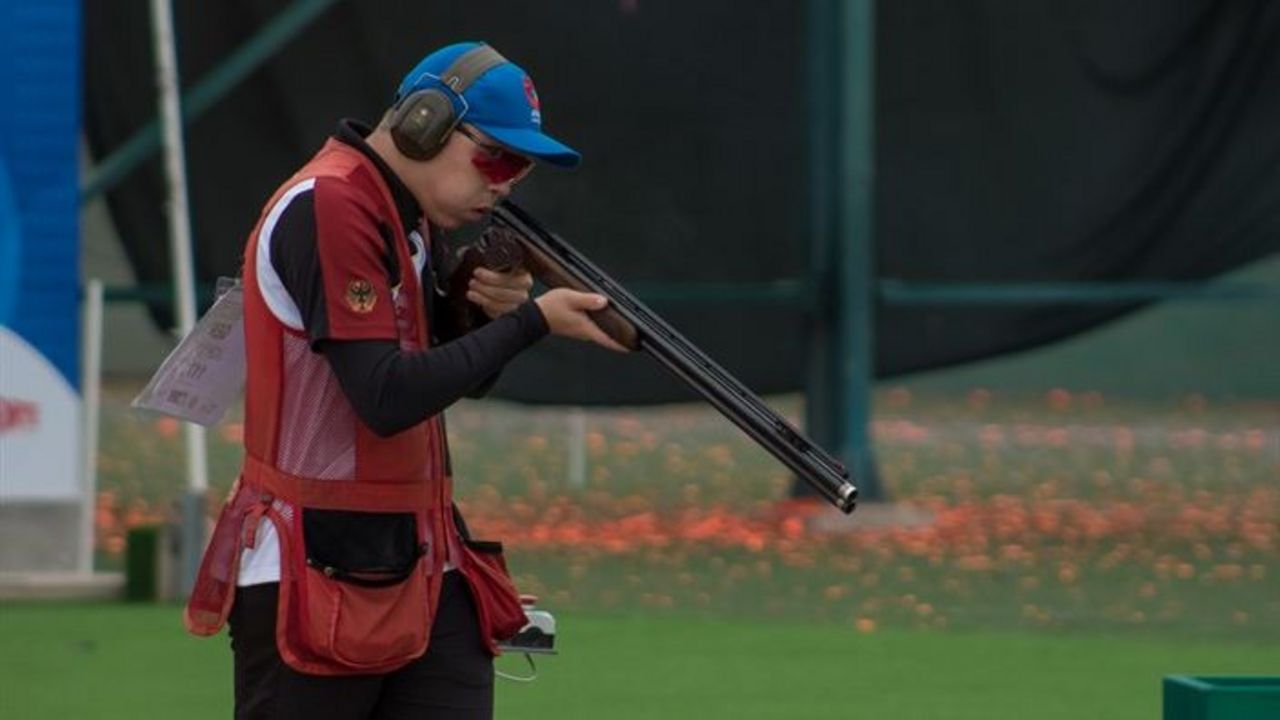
351	588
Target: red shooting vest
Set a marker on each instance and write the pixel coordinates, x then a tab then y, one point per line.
306	453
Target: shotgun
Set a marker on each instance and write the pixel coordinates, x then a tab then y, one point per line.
515	238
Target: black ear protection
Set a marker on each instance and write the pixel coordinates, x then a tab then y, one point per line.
422	121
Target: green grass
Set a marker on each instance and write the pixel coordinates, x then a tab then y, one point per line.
120	661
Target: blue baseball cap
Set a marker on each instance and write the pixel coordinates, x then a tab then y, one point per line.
502	103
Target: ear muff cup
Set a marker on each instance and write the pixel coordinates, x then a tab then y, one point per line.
421	123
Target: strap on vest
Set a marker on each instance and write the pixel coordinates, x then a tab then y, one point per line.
362	495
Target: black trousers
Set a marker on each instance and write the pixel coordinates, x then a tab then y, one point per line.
453	681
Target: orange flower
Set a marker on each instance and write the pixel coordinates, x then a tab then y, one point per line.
167	427
1068	573
898	398
975	563
1058	399
978	399
1227	572
232	432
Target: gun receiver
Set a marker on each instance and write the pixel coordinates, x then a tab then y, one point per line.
555	263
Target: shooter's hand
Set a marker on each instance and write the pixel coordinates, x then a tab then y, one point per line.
566	313
498	293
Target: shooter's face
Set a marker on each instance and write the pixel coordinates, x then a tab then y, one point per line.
451	188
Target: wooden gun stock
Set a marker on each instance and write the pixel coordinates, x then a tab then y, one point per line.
501	248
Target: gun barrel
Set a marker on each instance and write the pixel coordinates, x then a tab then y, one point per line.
806	460
686	361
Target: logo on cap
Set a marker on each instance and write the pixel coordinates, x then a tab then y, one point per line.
535	107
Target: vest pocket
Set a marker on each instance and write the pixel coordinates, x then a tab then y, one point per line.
365	588
497	601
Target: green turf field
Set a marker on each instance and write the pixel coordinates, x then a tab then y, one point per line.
118	661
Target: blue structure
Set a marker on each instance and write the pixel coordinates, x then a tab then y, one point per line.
39	251
39	204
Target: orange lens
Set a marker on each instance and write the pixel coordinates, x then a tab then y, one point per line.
499	165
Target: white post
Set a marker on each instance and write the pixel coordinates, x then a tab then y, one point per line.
577	448
182	270
91	384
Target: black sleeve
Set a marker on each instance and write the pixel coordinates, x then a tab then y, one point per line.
485	386
444	330
393	390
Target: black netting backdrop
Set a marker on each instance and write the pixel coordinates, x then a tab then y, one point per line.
1017	142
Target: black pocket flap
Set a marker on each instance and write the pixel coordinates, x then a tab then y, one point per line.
364	548
488	547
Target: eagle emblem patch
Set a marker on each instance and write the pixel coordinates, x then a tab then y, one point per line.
361	297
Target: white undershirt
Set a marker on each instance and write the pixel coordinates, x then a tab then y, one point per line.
261	563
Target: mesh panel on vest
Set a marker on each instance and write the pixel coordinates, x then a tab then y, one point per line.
320	439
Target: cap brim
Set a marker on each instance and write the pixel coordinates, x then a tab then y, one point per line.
534	144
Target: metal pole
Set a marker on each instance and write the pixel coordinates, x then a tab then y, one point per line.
193	516
219	82
855	229
823	421
577	448
91	381
899	292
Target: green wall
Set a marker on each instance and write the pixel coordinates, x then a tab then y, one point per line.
1221	349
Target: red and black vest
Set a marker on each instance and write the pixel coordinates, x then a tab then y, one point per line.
365	523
